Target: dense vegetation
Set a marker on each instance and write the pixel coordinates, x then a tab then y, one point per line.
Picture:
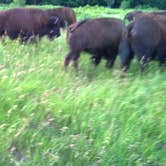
49	116
111	3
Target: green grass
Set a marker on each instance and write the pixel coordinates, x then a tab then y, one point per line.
49	116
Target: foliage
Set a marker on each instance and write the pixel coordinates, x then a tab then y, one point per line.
18	2
5	1
125	4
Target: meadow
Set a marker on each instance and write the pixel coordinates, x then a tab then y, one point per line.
52	117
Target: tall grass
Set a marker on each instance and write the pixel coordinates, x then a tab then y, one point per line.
49	116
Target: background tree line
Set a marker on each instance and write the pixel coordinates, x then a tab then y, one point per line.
111	3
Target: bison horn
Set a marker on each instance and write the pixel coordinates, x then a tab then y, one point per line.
53	20
56	20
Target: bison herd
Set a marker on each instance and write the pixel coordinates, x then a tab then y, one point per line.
103	38
28	23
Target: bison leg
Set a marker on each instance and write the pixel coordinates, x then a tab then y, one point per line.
161	58
75	60
162	64
143	63
96	59
1	32
74	56
13	35
110	61
25	37
68	59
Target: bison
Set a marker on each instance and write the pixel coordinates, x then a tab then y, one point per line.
28	22
146	39
100	37
131	16
66	14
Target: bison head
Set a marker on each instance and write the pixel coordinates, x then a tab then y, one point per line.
53	26
131	15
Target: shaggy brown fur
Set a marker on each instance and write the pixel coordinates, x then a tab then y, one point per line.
99	37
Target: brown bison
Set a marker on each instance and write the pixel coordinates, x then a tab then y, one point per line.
28	22
131	16
99	37
66	14
146	39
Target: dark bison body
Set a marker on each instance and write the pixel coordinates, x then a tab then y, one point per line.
66	14
2	21
146	39
131	16
99	37
28	22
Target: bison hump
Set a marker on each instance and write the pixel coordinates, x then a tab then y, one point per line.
74	26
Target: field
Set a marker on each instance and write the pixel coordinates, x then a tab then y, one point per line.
49	116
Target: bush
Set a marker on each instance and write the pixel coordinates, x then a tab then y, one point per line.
5	1
146	7
125	5
18	2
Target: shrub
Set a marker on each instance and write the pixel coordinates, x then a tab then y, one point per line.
18	2
125	5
